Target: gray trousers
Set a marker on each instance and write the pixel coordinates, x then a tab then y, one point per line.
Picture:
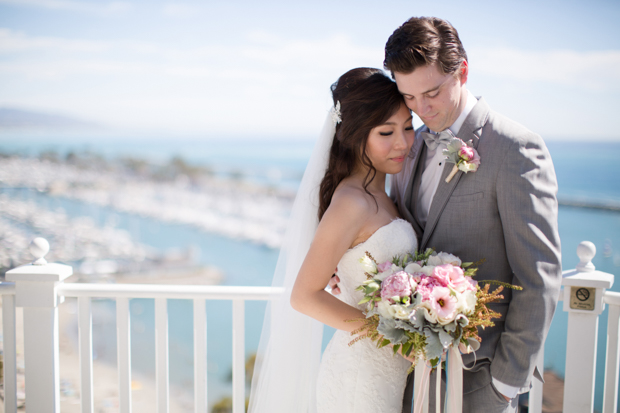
483	400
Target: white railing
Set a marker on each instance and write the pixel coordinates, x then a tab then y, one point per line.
7	290
161	294
39	288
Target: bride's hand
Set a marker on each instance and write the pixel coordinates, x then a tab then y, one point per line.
333	284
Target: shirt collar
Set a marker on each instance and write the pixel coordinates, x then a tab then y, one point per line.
469	105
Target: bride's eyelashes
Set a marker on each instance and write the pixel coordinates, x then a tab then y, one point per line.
391	132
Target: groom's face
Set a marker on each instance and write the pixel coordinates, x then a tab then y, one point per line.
436	98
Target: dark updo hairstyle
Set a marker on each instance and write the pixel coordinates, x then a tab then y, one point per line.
368	98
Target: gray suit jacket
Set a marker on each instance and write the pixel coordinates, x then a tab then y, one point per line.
505	212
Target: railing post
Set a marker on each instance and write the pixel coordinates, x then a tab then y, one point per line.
35	291
584	288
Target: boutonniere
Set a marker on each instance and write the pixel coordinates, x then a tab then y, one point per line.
462	155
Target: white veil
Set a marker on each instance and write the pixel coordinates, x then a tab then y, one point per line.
289	352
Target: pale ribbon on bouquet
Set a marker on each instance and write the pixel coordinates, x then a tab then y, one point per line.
421	385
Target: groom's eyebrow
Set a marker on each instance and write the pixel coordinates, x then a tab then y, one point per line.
423	93
433	89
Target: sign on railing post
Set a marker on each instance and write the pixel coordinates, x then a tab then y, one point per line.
584	288
35	291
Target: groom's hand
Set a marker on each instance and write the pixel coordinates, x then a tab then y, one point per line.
333	284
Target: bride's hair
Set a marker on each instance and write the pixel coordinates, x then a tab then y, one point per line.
368	98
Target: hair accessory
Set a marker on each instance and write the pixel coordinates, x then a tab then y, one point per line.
336	115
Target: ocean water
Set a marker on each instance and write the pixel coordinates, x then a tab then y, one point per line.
586	173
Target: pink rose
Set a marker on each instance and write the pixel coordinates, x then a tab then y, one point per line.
385	266
396	285
457	279
467	153
442	273
452	276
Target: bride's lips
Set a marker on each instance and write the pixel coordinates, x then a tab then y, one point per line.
399	159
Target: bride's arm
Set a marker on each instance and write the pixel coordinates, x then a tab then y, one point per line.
339	228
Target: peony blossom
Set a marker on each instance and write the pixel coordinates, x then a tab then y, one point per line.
396	285
426	286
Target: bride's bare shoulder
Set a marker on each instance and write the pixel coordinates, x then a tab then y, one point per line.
352	201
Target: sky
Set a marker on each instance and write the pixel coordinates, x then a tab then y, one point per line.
263	69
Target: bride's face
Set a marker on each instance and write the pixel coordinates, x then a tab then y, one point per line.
388	144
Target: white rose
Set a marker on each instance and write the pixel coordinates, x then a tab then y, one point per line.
434	260
413	268
447	320
430	316
385	309
383	275
427	269
400	312
466	302
449	259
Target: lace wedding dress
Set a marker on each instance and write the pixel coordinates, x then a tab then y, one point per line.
361	378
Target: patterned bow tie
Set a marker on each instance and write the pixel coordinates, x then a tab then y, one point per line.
434	140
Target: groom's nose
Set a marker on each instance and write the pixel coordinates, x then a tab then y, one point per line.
422	107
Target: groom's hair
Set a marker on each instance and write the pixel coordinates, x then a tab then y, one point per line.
422	41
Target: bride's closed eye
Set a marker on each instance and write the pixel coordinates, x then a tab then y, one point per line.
385	133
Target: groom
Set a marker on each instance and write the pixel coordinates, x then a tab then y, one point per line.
505	212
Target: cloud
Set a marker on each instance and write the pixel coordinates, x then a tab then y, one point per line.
18	42
594	71
179	10
102	8
264	84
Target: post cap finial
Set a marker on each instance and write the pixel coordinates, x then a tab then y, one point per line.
586	250
39	247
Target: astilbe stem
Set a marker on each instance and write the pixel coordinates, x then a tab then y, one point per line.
482	314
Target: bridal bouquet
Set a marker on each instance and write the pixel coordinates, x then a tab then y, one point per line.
424	304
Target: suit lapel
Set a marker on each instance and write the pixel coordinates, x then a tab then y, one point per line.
418	147
471	130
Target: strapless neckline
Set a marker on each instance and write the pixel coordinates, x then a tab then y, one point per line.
381	228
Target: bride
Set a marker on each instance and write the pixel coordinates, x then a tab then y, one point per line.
341	212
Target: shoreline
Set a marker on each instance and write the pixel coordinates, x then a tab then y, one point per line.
230	207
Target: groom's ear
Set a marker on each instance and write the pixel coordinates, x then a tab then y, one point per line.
463	72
